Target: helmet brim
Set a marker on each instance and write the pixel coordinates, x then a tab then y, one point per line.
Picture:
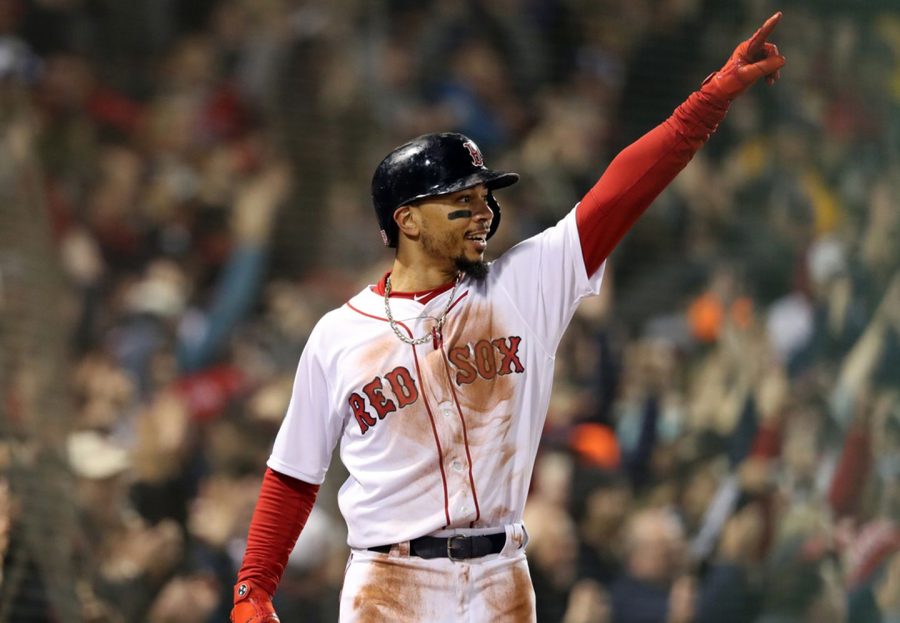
492	180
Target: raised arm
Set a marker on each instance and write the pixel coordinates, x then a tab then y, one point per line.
643	169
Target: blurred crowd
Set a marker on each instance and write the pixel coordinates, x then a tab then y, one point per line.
723	442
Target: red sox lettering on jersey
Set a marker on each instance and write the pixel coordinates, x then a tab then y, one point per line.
485	359
439	436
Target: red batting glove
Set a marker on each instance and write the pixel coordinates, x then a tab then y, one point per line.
252	605
751	60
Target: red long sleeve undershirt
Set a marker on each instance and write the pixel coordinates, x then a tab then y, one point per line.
639	173
281	512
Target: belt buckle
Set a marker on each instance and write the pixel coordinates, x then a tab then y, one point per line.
450	540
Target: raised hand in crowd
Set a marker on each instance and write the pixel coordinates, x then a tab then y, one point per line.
257	201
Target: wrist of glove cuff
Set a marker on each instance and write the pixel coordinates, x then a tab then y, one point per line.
722	87
252	605
730	82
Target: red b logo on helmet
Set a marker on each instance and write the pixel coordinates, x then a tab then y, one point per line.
475	153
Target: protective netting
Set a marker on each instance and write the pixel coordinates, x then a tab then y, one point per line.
184	190
39	564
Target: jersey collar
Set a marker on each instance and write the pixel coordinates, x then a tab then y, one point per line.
419	297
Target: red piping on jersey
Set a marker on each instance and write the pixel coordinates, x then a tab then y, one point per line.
427	408
461	297
465	436
437	441
359	311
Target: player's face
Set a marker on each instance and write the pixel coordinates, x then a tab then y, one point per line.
454	227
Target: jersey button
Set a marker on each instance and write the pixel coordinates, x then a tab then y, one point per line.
457	466
446	409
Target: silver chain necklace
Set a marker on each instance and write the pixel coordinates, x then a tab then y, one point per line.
438	325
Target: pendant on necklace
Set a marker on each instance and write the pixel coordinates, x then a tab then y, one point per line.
436	337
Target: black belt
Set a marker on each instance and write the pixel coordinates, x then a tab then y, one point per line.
456	547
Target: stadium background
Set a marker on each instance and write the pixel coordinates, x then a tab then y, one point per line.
184	190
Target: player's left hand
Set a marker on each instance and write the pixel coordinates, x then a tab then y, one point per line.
753	59
252	605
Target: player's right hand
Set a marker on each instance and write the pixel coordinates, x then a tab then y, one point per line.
252	605
753	59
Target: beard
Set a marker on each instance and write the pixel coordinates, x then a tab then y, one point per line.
476	270
437	246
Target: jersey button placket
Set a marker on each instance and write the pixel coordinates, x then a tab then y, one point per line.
464	506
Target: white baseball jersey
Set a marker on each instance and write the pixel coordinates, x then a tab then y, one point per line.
443	435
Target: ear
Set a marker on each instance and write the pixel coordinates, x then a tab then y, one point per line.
407	221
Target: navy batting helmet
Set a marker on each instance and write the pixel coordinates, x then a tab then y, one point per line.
428	166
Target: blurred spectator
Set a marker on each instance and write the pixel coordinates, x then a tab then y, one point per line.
654	585
723	437
600	505
552	557
134	558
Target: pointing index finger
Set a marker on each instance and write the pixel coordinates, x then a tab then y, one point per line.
756	43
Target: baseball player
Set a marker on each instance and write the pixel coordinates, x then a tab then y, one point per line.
435	381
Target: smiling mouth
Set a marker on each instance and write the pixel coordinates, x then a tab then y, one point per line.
477	237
